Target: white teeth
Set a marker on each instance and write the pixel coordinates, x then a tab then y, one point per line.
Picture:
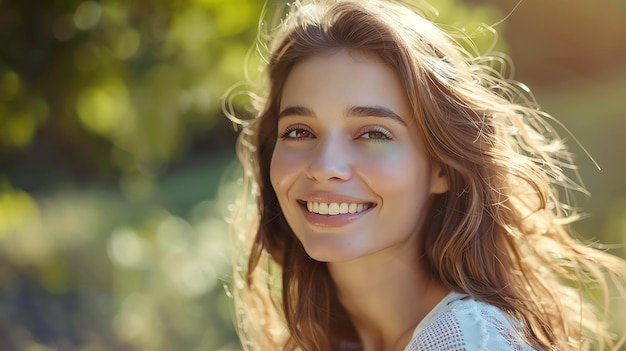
335	208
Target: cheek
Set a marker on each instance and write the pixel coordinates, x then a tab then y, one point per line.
399	175
394	162
284	168
386	152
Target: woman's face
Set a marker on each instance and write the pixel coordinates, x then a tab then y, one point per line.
349	168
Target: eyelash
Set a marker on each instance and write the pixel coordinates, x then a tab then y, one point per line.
285	134
386	135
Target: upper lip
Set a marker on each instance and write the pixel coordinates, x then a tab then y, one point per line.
332	197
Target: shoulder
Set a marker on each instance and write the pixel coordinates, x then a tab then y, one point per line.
468	324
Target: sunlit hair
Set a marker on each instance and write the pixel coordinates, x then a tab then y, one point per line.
499	234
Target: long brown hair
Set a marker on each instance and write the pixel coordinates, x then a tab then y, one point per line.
499	234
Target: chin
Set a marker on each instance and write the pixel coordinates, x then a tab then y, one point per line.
329	254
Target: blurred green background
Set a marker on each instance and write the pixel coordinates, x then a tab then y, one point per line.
117	165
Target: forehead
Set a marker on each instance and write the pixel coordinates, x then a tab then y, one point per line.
344	76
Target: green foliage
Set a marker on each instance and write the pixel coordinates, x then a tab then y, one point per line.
99	248
87	268
139	79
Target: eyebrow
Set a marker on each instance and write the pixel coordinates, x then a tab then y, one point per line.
296	111
353	111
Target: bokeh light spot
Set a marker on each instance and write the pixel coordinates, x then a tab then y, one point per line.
106	108
172	234
195	278
9	86
126	249
17	211
87	15
20	128
127	44
137	321
190	31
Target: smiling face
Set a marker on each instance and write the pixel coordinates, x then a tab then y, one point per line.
349	169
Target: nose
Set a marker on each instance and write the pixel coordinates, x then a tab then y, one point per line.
330	161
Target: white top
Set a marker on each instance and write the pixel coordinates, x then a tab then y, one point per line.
460	323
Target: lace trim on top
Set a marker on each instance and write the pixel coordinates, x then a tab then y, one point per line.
460	323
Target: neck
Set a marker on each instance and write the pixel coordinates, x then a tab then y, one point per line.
386	295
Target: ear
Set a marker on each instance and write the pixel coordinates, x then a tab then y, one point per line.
439	182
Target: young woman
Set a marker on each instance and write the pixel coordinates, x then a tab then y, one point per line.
407	198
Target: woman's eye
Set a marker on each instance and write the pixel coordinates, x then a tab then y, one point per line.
297	133
375	135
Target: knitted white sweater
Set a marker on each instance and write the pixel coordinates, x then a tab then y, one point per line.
460	323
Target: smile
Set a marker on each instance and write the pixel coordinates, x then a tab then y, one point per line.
336	208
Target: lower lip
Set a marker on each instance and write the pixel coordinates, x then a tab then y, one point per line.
330	221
